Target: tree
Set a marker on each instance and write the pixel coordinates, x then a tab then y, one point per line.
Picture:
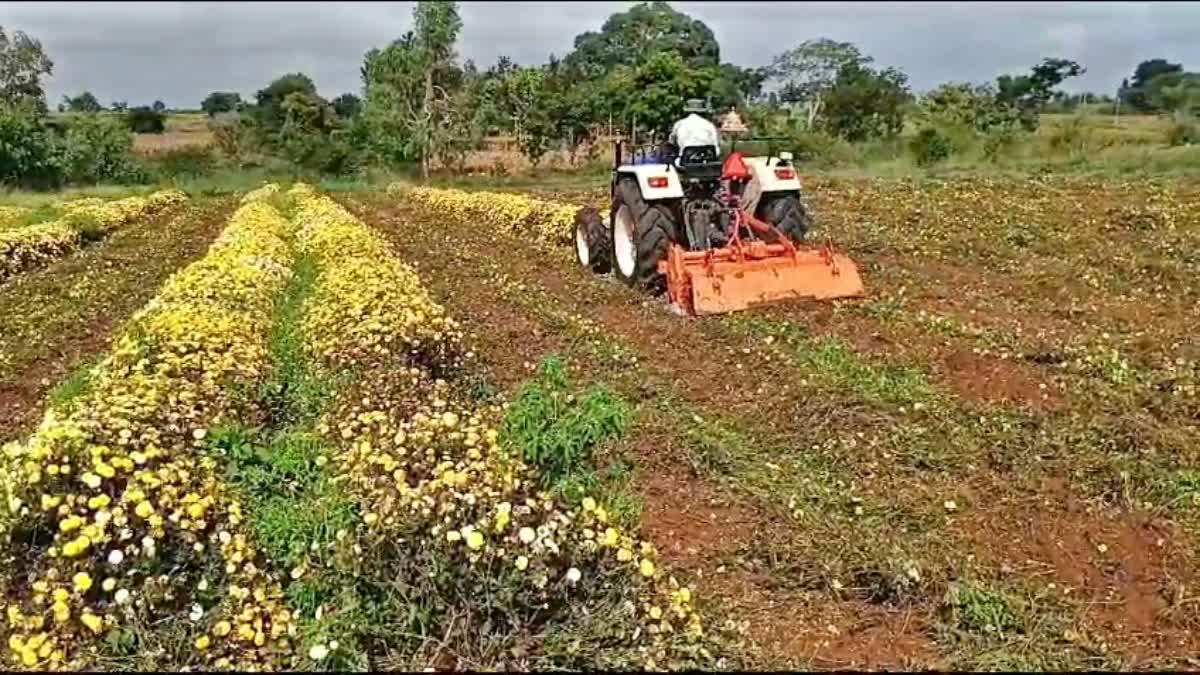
220	101
410	87
864	103
659	89
119	106
144	120
23	62
85	102
1027	94
347	106
1135	91
807	72
159	106
633	37
1174	92
269	112
735	86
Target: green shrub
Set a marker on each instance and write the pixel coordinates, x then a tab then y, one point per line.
29	157
930	146
555	430
1183	131
98	149
143	120
192	161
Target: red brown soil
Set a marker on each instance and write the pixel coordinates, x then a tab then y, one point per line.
1128	568
130	265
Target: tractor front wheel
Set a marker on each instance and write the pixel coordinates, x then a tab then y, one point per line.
787	214
639	243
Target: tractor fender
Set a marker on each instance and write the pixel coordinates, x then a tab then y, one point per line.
763	171
644	172
764	181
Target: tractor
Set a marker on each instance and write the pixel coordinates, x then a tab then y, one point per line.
716	235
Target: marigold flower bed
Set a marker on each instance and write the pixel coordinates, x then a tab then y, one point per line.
434	485
547	223
112	519
26	248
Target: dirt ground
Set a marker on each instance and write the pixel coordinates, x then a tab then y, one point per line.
984	464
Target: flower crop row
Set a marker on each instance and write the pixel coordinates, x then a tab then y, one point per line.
548	223
26	248
11	214
112	518
428	471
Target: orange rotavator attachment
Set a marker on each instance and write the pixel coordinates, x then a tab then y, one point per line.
747	273
729	279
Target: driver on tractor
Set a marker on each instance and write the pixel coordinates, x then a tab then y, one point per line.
692	134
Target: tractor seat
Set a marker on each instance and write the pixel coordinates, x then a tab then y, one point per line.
699	165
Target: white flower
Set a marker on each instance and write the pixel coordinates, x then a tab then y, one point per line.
122	596
197	613
527	535
573	575
318	652
115	557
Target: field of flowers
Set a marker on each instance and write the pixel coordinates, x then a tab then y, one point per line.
78	221
548	223
131	537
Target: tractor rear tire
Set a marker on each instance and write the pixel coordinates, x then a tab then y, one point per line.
639	242
786	214
593	241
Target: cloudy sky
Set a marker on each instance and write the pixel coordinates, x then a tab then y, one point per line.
178	52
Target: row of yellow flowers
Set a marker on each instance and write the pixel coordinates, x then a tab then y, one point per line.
547	223
26	248
112	515
430	470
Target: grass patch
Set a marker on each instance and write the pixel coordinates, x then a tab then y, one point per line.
555	430
837	364
75	384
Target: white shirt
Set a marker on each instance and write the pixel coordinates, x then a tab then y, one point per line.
693	131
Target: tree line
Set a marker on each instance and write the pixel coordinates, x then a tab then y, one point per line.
420	105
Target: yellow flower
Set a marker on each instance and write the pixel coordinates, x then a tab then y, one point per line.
522	563
624	555
144	510
93	622
222	628
474	540
589	504
655	613
82	581
646	567
202	642
611	537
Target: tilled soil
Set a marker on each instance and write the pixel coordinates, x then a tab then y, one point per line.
838	502
62	316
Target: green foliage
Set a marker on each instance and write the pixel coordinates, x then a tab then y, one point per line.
221	101
144	120
414	110
119	106
23	62
29	156
556	431
190	161
807	72
1136	92
159	107
929	147
347	106
660	87
1026	95
864	103
644	31
270	111
84	103
1183	130
99	149
979	609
